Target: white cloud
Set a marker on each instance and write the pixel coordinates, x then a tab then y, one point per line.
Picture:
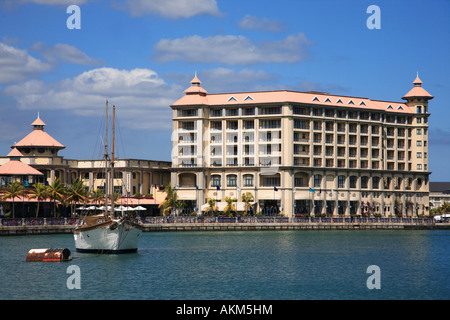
140	95
232	50
65	52
17	65
172	8
263	24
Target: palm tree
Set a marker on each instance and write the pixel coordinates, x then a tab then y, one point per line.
212	206
444	207
97	195
38	192
75	193
56	191
247	198
14	190
171	200
229	208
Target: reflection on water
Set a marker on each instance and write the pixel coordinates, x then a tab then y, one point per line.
238	265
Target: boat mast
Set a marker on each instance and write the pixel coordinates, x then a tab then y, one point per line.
106	161
112	158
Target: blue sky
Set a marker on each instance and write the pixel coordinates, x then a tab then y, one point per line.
141	55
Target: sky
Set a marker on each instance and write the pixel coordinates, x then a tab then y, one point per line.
140	55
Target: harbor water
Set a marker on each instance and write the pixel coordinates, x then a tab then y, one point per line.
250	265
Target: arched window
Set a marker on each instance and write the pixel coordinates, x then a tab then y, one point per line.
215	180
231	180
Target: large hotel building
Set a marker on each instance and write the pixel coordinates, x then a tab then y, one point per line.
308	153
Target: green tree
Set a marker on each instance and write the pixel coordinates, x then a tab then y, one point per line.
38	192
212	207
247	198
444	207
56	191
75	193
229	208
170	202
13	191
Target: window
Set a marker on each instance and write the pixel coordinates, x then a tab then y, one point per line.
216	125
317	180
232	125
248	111
231	180
375	182
270	110
364	182
353	180
419	143
232	99
248	98
187	113
270	124
271	182
188	125
248	180
249	124
215	180
315	99
215	112
298	182
419	131
419	166
341	181
419	155
301	124
232	112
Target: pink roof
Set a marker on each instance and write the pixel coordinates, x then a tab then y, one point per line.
285	96
18	168
38	138
15	153
417	90
196	95
38	122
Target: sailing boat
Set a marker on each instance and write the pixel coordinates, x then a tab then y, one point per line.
104	233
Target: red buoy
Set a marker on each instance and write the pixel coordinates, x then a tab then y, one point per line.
49	255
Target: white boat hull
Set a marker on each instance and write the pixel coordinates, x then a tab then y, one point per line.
123	238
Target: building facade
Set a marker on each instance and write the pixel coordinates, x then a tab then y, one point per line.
39	150
303	153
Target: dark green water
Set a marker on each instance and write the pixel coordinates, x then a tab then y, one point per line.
238	265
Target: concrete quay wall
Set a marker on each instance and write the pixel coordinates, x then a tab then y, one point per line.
170	227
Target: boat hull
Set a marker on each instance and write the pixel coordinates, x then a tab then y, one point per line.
108	238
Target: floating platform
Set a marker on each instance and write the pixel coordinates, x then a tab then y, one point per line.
49	255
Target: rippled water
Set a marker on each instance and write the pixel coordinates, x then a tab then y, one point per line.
270	265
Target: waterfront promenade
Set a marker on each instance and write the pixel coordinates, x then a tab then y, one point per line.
20	226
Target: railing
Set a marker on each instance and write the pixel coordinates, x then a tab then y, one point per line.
219	219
